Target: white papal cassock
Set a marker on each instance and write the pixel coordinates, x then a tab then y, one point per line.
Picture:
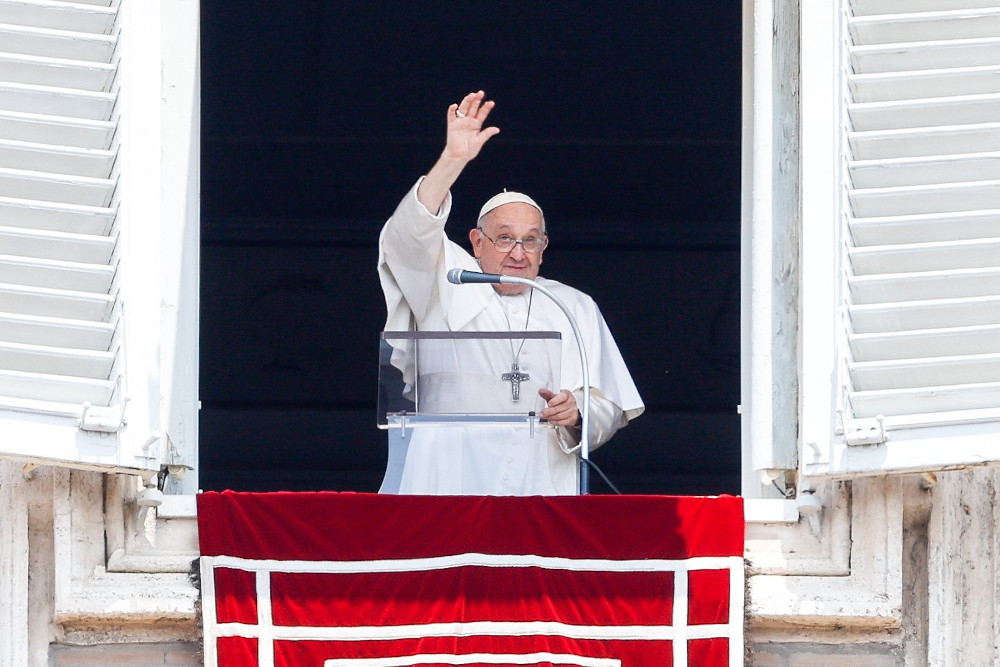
414	258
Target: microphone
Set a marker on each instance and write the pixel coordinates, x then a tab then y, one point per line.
461	277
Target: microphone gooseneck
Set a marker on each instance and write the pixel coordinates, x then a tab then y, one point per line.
462	277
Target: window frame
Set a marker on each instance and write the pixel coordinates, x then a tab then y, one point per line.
832	445
155	424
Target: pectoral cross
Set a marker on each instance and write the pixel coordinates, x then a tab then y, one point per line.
515	377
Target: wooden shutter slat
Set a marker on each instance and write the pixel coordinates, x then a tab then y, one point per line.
56	216
57	331
916	142
924	84
925	314
924	199
924	55
69	44
48	360
54	101
874	7
925	112
56	72
923	26
924	285
51	159
57	188
43	244
936	256
56	274
56	130
46	302
925	170
924	227
55	388
928	402
921	343
59	15
910	373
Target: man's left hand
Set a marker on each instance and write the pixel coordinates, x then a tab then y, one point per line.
562	409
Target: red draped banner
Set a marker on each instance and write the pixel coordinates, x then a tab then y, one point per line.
347	579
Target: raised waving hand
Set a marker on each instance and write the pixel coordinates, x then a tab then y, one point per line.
466	134
465	138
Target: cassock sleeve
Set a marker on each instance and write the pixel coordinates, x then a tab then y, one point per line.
411	246
605	420
414	257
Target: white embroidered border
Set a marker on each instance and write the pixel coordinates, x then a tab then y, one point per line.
479	560
365	633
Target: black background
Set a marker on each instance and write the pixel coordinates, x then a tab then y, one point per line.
621	119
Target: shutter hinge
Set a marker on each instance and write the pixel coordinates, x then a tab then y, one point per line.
867	431
102	420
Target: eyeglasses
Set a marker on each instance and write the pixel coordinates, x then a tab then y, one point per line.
504	243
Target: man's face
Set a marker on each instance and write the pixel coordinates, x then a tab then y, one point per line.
518	221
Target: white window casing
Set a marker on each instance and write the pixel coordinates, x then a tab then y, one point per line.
900	235
769	392
98	233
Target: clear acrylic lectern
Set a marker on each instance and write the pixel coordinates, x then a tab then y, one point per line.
462	380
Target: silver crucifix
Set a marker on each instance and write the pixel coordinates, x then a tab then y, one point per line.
515	377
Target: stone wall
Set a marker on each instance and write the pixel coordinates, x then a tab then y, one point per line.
921	551
88	577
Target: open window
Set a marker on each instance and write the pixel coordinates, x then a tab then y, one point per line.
98	236
900	320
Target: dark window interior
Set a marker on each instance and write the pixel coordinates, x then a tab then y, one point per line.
621	119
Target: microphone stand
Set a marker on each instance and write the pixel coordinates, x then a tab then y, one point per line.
460	277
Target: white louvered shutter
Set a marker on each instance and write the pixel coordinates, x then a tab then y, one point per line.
918	244
61	348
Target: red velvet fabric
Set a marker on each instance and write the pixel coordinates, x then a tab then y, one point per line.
351	578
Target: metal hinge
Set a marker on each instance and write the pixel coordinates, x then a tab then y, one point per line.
867	431
102	419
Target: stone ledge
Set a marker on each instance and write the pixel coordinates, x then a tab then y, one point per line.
867	595
126	597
